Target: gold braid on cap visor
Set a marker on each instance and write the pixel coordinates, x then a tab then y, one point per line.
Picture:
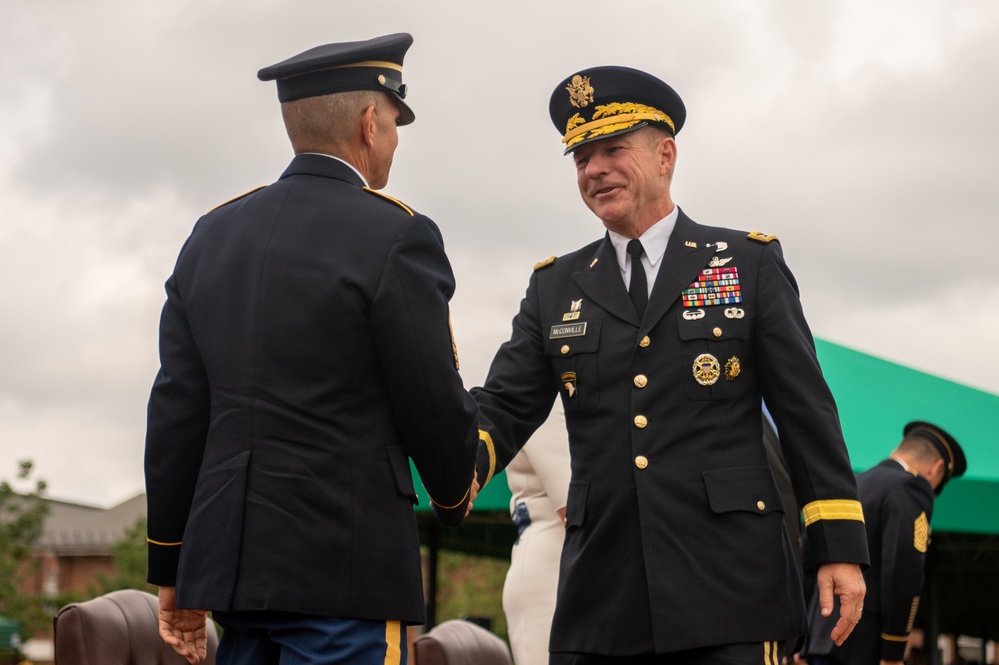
610	118
377	64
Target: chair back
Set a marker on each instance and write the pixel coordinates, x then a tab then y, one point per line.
460	642
118	628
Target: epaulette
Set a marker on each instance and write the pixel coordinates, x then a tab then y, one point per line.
236	198
547	262
760	236
389	198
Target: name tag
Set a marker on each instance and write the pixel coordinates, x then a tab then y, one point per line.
570	330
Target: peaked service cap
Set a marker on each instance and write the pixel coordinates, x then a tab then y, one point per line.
374	64
599	102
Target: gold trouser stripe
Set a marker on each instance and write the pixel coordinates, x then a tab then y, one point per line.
464	499
393	637
833	509
770	653
614	119
156	542
894	638
484	435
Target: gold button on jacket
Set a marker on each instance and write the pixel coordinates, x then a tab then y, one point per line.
641	462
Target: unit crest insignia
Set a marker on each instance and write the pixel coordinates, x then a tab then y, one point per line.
732	368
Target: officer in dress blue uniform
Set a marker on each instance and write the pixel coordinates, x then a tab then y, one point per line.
661	339
306	356
897	496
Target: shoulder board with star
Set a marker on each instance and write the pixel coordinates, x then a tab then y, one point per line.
236	198
760	236
389	198
544	264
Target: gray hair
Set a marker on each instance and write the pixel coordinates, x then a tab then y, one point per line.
325	123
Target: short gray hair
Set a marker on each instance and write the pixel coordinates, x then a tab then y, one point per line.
324	123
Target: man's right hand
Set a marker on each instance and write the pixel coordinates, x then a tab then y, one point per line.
473	492
184	630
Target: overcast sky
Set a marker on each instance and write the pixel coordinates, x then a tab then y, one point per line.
864	134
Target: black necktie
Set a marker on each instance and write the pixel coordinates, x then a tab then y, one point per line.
639	287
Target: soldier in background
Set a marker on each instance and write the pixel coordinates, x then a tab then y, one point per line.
897	496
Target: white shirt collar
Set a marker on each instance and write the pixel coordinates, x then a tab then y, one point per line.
654	241
352	168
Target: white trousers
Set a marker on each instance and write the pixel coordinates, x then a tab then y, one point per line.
530	589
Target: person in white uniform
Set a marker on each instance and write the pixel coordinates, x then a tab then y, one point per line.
539	483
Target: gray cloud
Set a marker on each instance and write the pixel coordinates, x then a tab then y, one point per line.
862	135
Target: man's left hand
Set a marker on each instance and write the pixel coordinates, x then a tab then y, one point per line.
846	581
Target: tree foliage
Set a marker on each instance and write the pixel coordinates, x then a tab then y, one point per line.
129	556
472	587
22	521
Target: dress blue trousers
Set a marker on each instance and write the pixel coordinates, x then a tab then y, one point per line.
287	638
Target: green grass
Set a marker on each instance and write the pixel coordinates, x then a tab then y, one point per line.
471	586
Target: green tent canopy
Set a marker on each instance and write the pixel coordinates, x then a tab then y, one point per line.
876	398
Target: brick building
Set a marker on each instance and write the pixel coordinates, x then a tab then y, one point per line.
75	548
